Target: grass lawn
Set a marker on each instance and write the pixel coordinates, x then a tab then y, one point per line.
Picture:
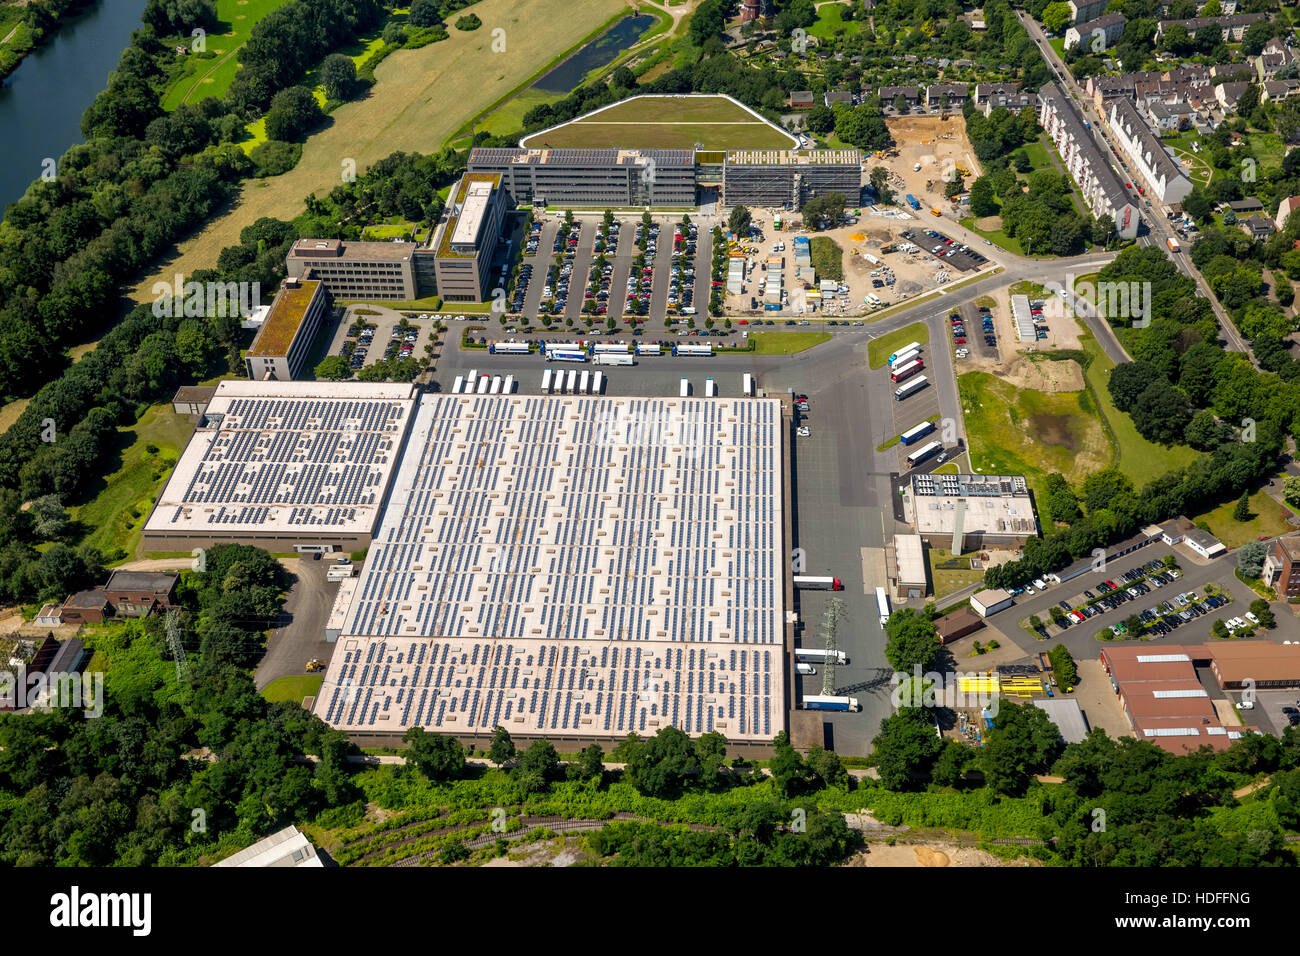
786	343
879	350
996	236
830	24
666	123
1138	458
1266	518
135	483
399	230
1020	431
510	117
946	581
293	688
948	468
212	76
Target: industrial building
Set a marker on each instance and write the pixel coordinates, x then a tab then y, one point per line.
467	237
962	513
1162	173
1166	703
577	569
285	848
773	177
283	344
1102	190
906	563
1067	715
285	466
591	177
357	271
990	601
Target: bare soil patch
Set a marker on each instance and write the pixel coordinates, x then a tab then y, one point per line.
942	854
1063	376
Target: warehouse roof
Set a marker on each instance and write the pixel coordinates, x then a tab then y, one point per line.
573	566
1067	716
987	504
287	457
1237	661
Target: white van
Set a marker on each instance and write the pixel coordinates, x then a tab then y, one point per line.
1038	583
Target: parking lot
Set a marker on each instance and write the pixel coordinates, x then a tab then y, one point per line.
606	267
948	252
369	333
972	330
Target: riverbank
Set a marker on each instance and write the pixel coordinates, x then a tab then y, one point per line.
18	38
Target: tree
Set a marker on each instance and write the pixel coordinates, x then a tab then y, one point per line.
1022	742
789	772
502	748
1291	489
1242	511
294	113
821	119
536	767
662	765
438	757
468	22
623	79
339	75
1057	16
424	13
739	220
1063	668
1161	413
827	767
1250	558
953	761
1259	607
48	517
905	748
1203	431
900	104
1128	381
334	368
913	641
590	764
982	201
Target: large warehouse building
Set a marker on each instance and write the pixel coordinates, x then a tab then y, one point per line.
285	466
575	568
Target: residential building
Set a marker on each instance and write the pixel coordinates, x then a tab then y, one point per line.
773	177
1170	117
1273	90
85	607
959	623
467	238
957	94
1287	206
801	99
1282	567
1231	28
283	345
1102	190
910	94
1163	174
1243	207
140	593
831	97
1273	58
1259	227
1096	35
1227	94
357	271
990	96
1081	11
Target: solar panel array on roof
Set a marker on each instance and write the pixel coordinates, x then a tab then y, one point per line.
640	537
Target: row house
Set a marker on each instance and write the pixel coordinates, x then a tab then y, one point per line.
1145	152
1232	28
956	92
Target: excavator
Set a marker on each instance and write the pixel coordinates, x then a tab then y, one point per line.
315	664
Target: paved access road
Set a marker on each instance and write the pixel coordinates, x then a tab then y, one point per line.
300	634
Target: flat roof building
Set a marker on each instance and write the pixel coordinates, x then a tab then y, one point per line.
593	178
466	240
959	623
574	568
990	601
286	848
285	466
773	177
283	344
909	566
192	399
1067	715
965	512
358	271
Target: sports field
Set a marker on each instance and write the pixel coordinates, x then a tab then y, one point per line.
211	76
667	122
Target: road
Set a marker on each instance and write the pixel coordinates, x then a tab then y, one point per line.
300	633
1158	228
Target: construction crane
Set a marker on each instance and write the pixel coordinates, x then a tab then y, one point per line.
830	621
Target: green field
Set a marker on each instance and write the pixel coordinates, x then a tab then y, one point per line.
133	486
786	343
1266	518
212	76
510	117
1022	431
666	123
1138	458
293	688
830	24
879	350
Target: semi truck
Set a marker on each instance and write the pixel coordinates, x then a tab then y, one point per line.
909	347
456	385
608	358
546	382
807	583
686	388
819	654
832	703
913	202
882	606
595	382
710	390
912	387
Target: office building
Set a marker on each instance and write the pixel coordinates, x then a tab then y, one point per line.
962	513
465	241
773	177
591	178
357	271
283	344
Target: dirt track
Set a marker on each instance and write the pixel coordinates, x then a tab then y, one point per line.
421	98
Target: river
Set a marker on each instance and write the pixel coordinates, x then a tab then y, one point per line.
42	101
595	54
